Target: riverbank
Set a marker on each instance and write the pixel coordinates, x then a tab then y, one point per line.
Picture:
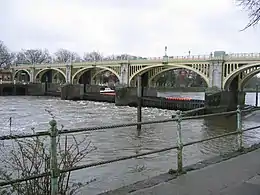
153	184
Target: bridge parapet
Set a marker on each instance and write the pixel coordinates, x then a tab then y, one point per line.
246	56
150	60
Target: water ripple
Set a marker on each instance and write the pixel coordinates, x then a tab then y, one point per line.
29	112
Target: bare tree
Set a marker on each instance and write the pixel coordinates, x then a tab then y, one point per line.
65	56
253	9
6	57
23	158
33	56
128	57
122	57
111	57
93	56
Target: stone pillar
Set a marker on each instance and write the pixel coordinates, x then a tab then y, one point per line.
125	96
72	92
32	75
97	80
215	69
124	75
68	73
13	74
241	97
92	81
36	89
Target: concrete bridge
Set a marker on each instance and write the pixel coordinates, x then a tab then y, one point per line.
224	71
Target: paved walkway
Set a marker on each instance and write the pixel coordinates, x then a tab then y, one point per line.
236	176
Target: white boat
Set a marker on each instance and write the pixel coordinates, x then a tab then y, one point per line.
107	90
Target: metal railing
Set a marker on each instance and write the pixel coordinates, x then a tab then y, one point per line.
229	56
108	61
54	132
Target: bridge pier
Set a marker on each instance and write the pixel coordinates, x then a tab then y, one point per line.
68	73
32	75
72	92
215	69
219	101
128	95
124	74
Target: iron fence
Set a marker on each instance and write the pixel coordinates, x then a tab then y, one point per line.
179	117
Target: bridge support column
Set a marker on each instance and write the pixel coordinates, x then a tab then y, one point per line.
124	94
215	69
219	100
13	74
92	80
68	73
124	75
32	75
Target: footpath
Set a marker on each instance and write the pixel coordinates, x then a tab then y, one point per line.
237	176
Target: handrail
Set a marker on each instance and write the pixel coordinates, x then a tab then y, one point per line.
179	117
96	128
123	158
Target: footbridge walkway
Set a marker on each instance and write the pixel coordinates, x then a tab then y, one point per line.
236	176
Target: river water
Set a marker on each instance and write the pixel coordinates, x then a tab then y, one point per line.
28	112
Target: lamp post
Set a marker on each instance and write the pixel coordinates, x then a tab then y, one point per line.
165	57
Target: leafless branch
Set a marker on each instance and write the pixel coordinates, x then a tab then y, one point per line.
31	156
6	57
65	56
33	56
253	9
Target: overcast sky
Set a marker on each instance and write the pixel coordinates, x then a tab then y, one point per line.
137	27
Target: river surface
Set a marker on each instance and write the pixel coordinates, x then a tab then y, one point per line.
28	112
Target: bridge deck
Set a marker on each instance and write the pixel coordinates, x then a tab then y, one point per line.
236	176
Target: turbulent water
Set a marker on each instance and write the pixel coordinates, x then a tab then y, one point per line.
28	112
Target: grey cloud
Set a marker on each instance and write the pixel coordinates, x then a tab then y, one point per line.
122	4
137	27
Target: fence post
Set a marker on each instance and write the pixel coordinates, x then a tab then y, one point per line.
53	160
179	143
239	128
10	125
139	102
256	96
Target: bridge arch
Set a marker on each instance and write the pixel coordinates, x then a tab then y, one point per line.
169	67
247	77
44	70
98	72
22	71
56	76
227	81
80	72
159	73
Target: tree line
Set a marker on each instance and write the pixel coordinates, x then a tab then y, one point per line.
41	56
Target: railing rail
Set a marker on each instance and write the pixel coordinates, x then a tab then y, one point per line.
228	56
54	132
